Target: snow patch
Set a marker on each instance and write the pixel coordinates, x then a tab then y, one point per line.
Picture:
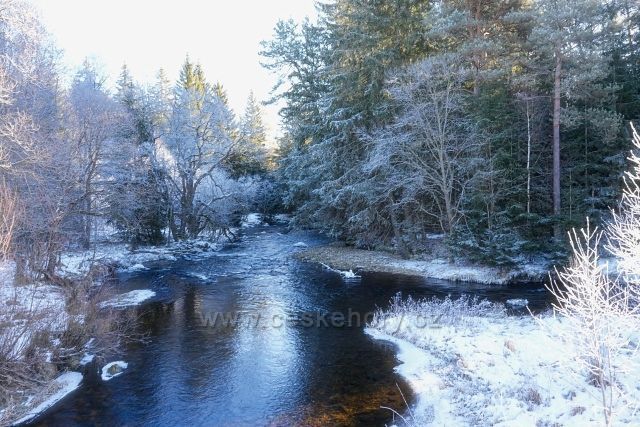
415	366
444	270
300	245
120	256
44	304
436	236
346	258
129	299
348	275
86	359
497	371
119	366
67	382
137	267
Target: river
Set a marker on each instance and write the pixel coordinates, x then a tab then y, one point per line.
249	336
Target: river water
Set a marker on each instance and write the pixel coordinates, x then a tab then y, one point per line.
249	336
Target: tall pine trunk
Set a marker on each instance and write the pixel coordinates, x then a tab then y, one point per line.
557	231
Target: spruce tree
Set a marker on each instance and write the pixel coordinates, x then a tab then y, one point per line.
249	157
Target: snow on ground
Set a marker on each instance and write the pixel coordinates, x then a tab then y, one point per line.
495	370
113	369
65	384
79	262
27	309
119	255
129	299
432	398
87	358
347	258
445	270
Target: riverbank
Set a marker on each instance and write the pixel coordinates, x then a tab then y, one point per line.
481	367
341	257
35	318
39	359
111	252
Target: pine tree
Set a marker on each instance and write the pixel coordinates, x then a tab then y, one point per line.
161	98
560	26
221	93
364	40
137	105
545	75
298	55
137	203
250	155
125	88
192	77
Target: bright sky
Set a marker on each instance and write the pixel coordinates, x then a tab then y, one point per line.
223	36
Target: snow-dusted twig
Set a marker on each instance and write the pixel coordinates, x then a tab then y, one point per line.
602	312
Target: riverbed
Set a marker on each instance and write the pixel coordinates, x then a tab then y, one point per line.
250	335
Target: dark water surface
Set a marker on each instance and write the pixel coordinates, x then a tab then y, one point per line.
274	359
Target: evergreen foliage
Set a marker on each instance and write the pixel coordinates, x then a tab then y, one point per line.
543	90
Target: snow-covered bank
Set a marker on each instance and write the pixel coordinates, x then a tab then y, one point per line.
32	318
120	256
347	258
63	385
27	310
484	368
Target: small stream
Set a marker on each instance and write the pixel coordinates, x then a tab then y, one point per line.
276	358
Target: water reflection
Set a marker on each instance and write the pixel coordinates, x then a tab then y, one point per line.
191	373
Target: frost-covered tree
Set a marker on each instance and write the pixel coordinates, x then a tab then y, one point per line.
98	127
138	105
337	71
423	163
297	54
623	230
31	148
137	199
199	139
601	309
539	71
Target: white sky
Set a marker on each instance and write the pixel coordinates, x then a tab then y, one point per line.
223	36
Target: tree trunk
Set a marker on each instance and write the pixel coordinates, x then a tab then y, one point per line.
188	216
401	246
557	231
86	221
528	159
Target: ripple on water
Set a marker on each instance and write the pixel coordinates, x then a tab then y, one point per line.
190	373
